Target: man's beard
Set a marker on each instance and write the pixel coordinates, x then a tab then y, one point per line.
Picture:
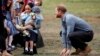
58	16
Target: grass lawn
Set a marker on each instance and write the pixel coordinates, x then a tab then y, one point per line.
87	9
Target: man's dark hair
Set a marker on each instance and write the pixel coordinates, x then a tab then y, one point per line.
61	8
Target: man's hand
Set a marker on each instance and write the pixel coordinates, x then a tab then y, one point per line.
63	52
68	52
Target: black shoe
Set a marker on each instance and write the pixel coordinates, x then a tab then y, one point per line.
9	52
26	52
10	48
31	53
35	50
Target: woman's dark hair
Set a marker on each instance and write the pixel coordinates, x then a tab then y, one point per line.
31	5
21	2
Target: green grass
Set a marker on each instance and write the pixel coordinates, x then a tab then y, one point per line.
87	9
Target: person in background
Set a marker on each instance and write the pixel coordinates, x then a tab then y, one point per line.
17	8
3	29
3	5
10	26
75	32
8	9
38	2
34	2
11	32
3	36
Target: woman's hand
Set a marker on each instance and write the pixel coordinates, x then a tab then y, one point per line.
18	27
